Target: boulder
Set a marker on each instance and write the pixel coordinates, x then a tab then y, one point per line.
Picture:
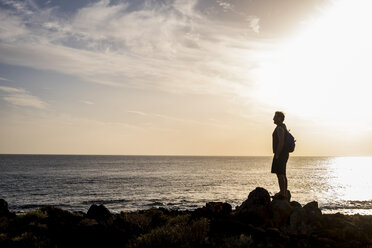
101	214
213	210
258	197
59	217
298	220
313	209
295	204
3	208
219	208
256	209
281	211
307	219
278	196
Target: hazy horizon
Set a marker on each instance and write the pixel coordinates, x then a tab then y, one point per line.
184	77
171	155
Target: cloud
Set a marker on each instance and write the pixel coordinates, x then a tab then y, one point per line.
277	18
11	89
168	47
164	46
87	102
5	79
254	23
11	28
226	6
137	112
19	6
21	97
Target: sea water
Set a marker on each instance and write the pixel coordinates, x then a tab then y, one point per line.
129	183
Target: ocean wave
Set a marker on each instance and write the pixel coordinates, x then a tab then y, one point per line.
155	204
36	206
348	205
114	201
28	206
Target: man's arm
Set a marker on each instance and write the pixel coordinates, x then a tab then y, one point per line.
279	149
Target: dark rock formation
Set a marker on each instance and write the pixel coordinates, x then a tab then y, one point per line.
278	196
3	208
313	210
281	211
101	214
258	197
258	222
256	209
213	209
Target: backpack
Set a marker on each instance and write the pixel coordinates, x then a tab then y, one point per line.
289	141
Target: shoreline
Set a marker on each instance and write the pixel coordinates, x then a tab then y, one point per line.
258	222
324	210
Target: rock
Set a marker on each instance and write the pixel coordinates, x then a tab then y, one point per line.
101	214
298	220
213	210
278	196
58	215
295	204
306	219
281	211
313	209
219	208
3	208
258	197
256	209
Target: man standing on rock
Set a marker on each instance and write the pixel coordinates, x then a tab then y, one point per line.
281	153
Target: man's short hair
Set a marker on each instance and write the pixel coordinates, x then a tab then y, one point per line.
280	114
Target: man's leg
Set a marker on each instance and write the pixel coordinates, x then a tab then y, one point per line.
283	184
286	185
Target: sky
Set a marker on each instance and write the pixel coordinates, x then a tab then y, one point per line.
184	77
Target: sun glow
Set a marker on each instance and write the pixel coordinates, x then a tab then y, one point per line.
324	72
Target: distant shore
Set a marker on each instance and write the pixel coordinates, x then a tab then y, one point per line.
260	221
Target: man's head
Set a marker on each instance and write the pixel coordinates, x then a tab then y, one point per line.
279	117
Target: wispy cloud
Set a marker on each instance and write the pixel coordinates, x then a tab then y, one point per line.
11	89
12	27
168	47
225	5
5	79
137	112
254	23
21	97
20	6
87	102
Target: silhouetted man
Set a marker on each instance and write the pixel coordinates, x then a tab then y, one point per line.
281	153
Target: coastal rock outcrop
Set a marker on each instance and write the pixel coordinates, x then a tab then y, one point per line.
281	211
258	222
256	209
3	208
101	214
213	209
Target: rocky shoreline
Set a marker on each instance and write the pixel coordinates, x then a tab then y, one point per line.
260	221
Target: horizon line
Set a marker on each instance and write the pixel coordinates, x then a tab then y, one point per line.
169	155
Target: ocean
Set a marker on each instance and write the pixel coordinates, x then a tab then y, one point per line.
129	183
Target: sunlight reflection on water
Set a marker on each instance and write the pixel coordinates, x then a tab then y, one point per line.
339	184
350	178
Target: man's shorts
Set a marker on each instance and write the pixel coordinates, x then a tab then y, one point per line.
279	165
